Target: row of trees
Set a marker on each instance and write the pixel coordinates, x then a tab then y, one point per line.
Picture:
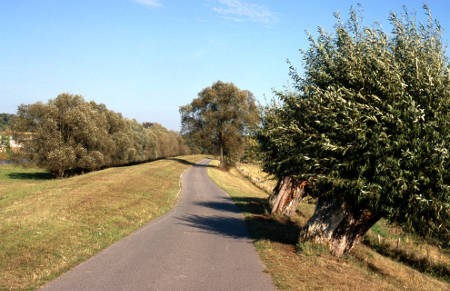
68	134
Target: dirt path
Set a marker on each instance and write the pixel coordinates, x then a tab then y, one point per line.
202	244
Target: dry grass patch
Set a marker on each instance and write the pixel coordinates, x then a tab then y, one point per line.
48	226
257	176
306	266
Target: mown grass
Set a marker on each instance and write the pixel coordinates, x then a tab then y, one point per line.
307	266
50	225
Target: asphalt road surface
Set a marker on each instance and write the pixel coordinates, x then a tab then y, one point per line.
201	244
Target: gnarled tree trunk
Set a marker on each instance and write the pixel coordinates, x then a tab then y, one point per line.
337	225
287	195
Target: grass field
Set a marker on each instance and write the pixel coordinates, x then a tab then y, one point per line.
381	263
50	225
255	174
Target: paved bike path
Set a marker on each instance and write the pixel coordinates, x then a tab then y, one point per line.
201	244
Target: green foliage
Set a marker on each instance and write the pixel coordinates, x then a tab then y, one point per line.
163	142
4	120
4	140
69	134
251	152
218	120
369	122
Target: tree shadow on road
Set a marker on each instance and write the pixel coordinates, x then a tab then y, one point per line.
277	229
226	226
221	206
238	205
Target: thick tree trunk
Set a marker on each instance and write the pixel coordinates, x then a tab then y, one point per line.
327	215
336	225
287	195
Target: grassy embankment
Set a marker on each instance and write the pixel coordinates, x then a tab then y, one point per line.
382	262
50	225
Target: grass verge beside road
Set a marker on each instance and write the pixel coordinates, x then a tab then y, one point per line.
305	267
50	225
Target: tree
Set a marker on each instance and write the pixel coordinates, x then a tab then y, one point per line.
366	132
65	134
219	118
164	142
4	121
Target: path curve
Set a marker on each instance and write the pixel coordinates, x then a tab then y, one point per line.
201	244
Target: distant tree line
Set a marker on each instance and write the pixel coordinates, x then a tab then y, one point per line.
68	134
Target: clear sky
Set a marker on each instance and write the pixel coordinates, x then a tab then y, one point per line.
145	58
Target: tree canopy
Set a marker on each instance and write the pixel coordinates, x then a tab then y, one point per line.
4	120
69	134
368	128
219	119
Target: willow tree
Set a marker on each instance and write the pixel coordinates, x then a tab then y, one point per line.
64	134
366	132
219	119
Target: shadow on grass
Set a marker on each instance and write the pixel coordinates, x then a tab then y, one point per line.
30	176
252	205
363	261
277	229
182	161
264	226
421	264
260	226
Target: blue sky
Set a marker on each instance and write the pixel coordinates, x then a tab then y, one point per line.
145	58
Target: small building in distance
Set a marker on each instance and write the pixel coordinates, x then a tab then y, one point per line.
4	142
